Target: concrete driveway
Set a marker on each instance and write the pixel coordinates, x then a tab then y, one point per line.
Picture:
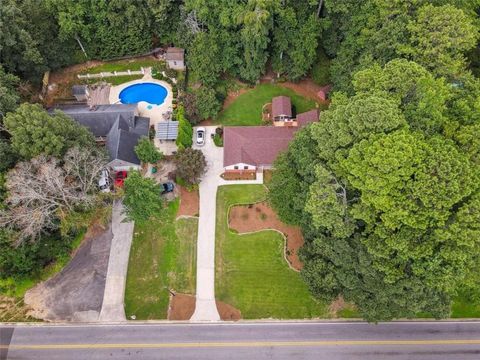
205	308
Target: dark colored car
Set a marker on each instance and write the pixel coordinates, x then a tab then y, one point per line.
120	177
167	187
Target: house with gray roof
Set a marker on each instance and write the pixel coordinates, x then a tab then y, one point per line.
118	127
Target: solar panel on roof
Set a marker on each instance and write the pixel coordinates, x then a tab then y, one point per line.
167	130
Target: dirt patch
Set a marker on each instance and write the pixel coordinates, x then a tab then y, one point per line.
12	309
61	81
306	88
228	312
189	202
338	305
260	216
182	307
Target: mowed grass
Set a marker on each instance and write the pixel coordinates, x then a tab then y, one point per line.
163	257
122	65
251	271
247	108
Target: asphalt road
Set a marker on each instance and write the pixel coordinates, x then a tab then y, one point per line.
307	340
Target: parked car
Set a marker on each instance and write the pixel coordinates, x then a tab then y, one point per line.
200	136
120	177
104	181
167	187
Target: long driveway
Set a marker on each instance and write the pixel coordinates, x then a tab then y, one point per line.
206	309
113	298
245	340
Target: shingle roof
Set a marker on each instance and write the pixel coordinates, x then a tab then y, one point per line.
174	53
281	105
118	123
307	117
101	118
255	145
167	130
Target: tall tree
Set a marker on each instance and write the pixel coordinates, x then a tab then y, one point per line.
34	131
9	97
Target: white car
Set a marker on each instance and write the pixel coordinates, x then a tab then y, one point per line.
200	136
104	181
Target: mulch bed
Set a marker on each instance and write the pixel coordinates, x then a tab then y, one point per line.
239	176
260	216
182	307
189	202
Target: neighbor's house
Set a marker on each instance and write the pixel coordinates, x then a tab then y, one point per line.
175	58
117	126
248	148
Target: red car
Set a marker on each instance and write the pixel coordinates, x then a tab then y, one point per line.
120	177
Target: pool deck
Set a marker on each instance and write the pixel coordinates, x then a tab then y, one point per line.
155	113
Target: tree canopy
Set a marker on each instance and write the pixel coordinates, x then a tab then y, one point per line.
34	131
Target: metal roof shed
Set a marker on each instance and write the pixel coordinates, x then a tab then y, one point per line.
167	130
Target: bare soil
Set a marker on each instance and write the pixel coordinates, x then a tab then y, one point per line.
338	305
189	202
306	88
182	307
260	216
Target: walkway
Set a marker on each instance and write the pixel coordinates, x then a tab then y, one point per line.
205	308
113	305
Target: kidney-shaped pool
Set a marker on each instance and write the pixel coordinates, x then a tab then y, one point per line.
149	92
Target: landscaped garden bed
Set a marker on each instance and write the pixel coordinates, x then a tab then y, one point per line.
246	175
256	217
252	273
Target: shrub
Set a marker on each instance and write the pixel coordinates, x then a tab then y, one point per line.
218	140
142	197
189	102
191	165
208	105
185	130
171	73
147	152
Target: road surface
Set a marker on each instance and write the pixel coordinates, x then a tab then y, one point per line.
275	340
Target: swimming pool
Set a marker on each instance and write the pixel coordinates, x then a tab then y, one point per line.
149	92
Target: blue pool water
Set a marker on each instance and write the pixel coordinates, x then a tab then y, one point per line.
151	93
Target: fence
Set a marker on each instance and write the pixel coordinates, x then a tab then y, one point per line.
110	74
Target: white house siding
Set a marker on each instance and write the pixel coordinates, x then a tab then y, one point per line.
241	166
176	64
120	165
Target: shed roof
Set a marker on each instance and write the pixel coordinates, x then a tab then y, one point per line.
174	53
79	89
167	130
281	105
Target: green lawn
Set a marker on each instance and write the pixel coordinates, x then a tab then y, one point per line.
122	65
251	272
163	256
247	108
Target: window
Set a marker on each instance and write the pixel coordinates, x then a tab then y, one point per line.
235	167
245	167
